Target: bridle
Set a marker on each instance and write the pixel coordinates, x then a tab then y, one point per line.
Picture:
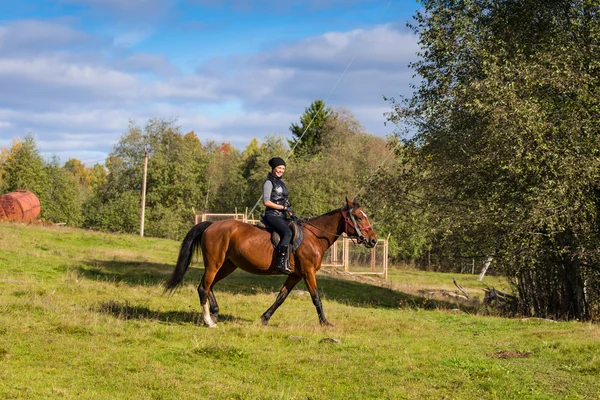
351	221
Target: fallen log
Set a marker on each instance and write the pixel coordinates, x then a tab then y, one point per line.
505	301
454	295
461	289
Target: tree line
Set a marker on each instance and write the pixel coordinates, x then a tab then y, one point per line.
333	157
505	155
496	157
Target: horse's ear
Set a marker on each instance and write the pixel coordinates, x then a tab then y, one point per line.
348	202
355	202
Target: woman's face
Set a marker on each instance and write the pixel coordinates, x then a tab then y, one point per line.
279	170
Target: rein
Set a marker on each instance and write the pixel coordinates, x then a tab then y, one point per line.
348	220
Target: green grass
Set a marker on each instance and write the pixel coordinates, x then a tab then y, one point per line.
83	316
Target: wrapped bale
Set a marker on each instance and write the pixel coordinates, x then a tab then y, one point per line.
21	205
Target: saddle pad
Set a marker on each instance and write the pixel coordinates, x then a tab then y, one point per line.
297	234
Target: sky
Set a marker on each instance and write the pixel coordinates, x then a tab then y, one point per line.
76	73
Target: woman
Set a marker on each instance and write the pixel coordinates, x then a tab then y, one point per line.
275	200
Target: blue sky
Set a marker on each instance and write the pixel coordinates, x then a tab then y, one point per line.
75	72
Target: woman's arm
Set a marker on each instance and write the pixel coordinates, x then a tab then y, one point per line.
270	204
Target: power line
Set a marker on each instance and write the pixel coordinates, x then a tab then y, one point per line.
324	102
377	170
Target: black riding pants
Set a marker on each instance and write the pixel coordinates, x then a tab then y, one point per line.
280	225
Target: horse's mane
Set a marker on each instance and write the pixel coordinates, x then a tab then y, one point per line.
332	212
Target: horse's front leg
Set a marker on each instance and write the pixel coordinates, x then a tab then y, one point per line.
311	284
214	306
290	282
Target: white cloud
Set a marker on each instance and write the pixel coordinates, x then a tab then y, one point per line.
156	64
33	37
80	103
377	62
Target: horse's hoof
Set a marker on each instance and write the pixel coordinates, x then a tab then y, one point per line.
213	326
326	323
264	321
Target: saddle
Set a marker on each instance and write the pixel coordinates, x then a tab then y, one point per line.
297	233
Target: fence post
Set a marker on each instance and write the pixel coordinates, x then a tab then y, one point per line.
143	205
373	259
333	252
346	254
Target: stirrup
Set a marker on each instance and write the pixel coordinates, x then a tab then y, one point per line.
284	269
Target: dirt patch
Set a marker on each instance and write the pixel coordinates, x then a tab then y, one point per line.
434	294
376	281
510	354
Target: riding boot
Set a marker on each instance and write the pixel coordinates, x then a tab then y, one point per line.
283	265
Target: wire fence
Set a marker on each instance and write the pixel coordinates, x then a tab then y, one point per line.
348	256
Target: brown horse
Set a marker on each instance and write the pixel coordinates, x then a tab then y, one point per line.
231	244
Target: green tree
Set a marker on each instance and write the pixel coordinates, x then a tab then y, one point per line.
79	171
395	201
175	182
23	169
506	149
56	188
308	135
64	196
348	157
226	187
3	157
97	176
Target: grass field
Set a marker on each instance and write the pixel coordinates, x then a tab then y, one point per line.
83	316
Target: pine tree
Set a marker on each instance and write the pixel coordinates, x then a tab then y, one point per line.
308	136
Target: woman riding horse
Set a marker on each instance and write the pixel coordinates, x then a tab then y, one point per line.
278	210
231	244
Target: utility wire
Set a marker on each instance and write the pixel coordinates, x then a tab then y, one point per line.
392	151
324	102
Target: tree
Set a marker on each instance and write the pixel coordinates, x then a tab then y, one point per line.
3	157
308	136
79	171
506	147
395	201
64	196
23	168
175	181
60	194
97	176
226	187
347	158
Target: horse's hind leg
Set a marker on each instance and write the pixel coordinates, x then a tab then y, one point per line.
227	268
290	282
204	293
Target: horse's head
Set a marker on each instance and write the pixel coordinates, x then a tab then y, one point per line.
357	224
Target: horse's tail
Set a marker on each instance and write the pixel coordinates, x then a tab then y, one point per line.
189	246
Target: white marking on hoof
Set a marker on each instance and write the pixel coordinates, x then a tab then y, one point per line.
206	316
